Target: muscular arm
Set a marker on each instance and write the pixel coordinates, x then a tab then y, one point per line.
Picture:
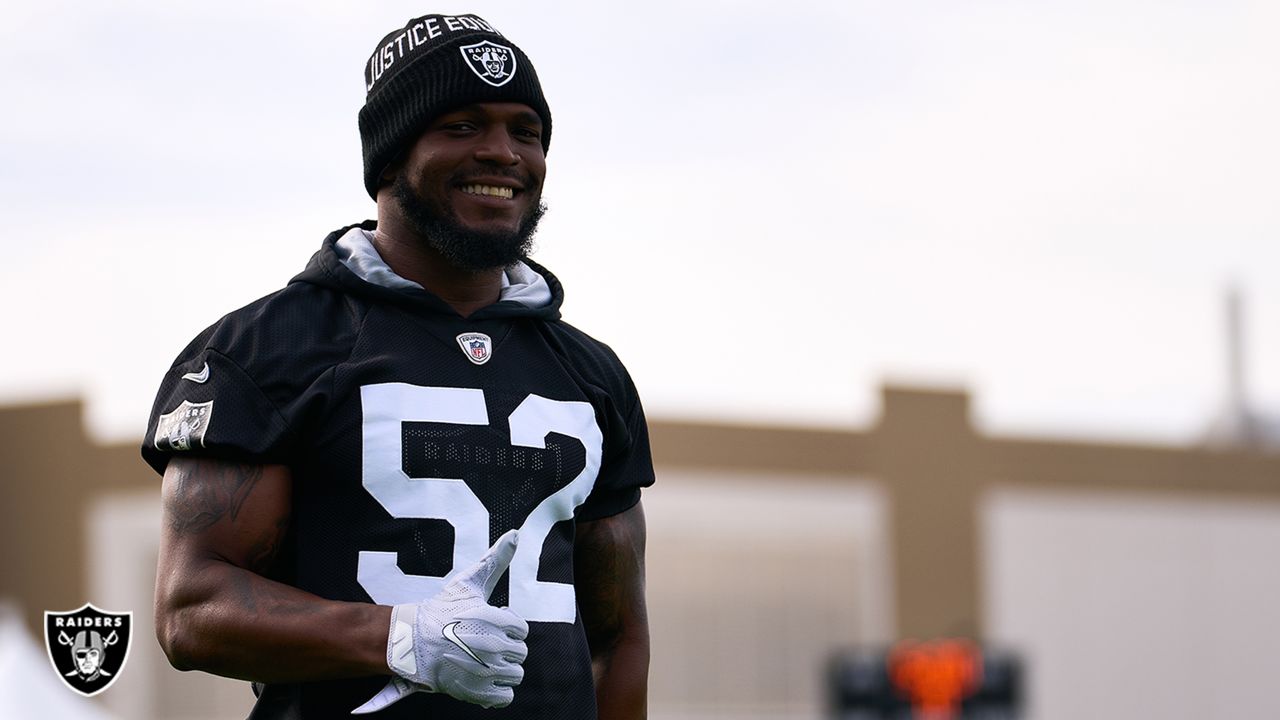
609	576
215	608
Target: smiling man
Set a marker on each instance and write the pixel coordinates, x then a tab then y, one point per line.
402	485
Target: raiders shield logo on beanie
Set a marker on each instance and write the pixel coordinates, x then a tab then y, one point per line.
493	63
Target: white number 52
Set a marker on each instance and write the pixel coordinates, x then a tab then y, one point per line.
385	407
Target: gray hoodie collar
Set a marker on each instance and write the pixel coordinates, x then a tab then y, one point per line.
520	284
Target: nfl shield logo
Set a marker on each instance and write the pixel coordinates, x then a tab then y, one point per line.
88	647
491	62
476	346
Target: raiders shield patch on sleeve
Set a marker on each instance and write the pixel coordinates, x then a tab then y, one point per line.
184	427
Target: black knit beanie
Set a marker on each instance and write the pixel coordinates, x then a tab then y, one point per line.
432	65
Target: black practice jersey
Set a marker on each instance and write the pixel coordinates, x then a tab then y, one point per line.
415	438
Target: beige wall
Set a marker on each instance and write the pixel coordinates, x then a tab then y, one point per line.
50	475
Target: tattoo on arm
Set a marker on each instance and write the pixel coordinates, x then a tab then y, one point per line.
264	550
195	504
262	596
256	590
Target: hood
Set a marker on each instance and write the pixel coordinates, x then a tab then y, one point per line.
347	262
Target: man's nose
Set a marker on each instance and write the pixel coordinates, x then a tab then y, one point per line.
498	147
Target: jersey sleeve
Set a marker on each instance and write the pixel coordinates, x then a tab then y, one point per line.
209	406
244	388
627	465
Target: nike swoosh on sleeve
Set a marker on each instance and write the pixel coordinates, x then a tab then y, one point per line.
451	634
198	377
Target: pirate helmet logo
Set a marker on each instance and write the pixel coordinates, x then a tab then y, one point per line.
88	647
491	62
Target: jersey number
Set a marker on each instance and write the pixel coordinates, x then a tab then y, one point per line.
385	407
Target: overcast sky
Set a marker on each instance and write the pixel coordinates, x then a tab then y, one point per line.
768	209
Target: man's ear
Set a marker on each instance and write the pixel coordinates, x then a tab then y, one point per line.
388	176
390	172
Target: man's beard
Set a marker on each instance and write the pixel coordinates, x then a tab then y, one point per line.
465	248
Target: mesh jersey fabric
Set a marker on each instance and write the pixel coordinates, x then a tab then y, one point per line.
366	394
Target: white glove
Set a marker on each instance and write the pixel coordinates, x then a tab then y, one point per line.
456	643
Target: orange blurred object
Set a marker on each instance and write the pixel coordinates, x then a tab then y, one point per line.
936	675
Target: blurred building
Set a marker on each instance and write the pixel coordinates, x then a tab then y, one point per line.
1134	581
1239	424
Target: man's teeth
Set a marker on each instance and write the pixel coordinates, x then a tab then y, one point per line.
502	192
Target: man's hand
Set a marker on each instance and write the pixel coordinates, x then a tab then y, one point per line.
456	643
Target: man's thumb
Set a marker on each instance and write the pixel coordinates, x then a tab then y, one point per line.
485	573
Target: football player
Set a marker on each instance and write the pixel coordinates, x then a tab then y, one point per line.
402	484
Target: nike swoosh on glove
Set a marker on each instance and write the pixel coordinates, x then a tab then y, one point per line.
456	643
